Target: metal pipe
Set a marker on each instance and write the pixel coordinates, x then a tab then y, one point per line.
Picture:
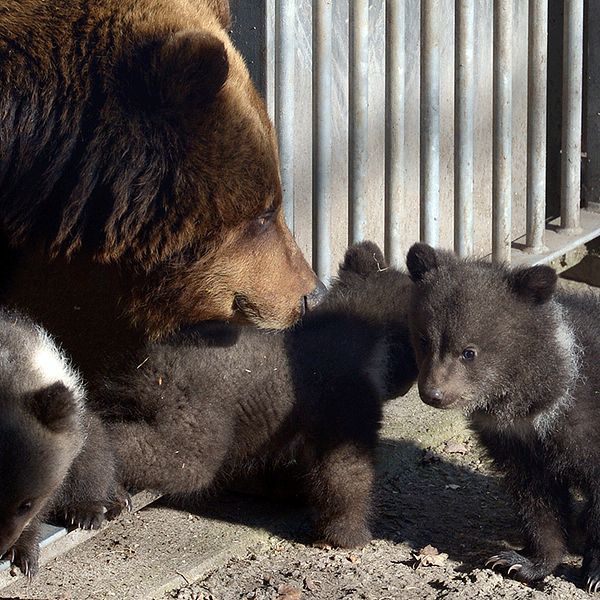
322	136
395	184
358	89
430	123
285	19
571	116
536	124
502	134
464	90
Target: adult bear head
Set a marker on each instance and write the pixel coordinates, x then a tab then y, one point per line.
134	136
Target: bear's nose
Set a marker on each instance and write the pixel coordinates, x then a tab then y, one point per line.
311	300
432	396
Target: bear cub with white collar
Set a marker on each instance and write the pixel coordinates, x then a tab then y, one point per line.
522	360
55	456
220	399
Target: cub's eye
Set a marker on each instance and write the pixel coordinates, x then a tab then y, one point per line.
469	354
423	342
24	507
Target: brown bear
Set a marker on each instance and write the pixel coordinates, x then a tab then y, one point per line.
139	175
55	457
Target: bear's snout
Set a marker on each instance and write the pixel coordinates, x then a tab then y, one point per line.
314	298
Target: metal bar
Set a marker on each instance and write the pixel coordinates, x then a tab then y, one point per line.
430	123
395	185
322	136
285	19
358	90
571	117
464	89
536	124
502	134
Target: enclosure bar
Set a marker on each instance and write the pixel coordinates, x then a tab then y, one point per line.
358	91
571	117
536	124
430	123
502	132
285	50
464	90
322	136
395	90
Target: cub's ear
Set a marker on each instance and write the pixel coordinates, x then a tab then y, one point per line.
174	74
53	406
363	258
534	283
421	259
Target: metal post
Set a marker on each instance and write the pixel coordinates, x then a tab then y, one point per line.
571	118
285	19
464	128
536	124
430	122
358	89
322	136
502	143
394	128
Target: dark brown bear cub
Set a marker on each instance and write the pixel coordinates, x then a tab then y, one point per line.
55	456
521	359
221	398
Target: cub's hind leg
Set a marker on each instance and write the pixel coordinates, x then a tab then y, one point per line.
340	487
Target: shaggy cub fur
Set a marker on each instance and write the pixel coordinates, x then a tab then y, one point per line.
55	456
521	359
221	398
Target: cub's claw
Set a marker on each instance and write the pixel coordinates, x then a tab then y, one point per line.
518	566
592	584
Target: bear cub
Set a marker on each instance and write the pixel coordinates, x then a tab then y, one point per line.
218	400
521	359
55	457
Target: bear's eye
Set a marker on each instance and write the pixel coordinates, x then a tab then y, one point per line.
469	354
265	219
24	507
424	343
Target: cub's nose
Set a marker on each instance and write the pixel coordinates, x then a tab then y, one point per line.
311	300
432	396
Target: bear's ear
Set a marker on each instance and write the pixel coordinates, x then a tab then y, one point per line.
53	406
363	258
534	283
421	259
174	74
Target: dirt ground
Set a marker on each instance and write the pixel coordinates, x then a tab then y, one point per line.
445	497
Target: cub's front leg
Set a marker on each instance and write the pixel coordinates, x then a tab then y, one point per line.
591	555
543	508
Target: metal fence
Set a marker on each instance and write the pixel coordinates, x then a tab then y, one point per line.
402	120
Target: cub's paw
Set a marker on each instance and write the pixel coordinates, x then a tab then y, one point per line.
517	566
344	535
591	572
24	557
84	515
120	501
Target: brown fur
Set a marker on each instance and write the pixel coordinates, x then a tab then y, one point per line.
133	137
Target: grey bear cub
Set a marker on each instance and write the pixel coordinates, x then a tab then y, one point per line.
55	457
221	398
522	360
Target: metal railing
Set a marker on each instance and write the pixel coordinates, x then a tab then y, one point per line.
401	120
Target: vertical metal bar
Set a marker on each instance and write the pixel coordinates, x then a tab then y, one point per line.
395	72
270	53
502	134
430	123
464	89
571	118
536	124
358	91
322	136
285	19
